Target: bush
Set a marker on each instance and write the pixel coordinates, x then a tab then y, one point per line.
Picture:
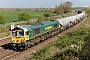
23	16
40	19
48	14
2	19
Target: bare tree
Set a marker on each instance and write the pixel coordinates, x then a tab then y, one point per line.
67	6
64	7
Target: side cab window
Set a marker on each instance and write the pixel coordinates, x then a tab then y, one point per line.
27	33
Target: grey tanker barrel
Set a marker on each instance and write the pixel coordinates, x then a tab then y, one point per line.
64	22
73	20
80	16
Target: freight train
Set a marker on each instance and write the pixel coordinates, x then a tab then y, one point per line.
29	35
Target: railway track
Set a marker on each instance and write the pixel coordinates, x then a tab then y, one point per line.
1	49
6	52
5	47
5	40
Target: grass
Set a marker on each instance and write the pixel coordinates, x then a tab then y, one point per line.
12	16
4	31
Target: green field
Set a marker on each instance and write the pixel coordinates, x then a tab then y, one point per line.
12	16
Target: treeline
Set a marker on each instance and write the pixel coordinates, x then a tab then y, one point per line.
65	7
49	13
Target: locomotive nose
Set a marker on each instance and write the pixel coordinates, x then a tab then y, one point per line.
17	39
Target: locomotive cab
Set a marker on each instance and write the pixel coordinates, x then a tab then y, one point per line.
19	38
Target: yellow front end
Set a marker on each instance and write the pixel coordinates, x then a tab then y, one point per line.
17	40
19	36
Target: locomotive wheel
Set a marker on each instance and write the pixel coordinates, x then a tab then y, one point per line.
28	44
15	47
20	47
24	46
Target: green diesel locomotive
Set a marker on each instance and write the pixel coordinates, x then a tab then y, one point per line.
29	35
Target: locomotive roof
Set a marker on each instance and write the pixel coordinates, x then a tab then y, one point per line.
46	23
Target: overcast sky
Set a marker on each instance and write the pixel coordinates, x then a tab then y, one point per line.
39	3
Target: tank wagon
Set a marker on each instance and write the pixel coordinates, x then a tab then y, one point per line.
67	22
64	23
80	16
73	20
26	36
29	35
